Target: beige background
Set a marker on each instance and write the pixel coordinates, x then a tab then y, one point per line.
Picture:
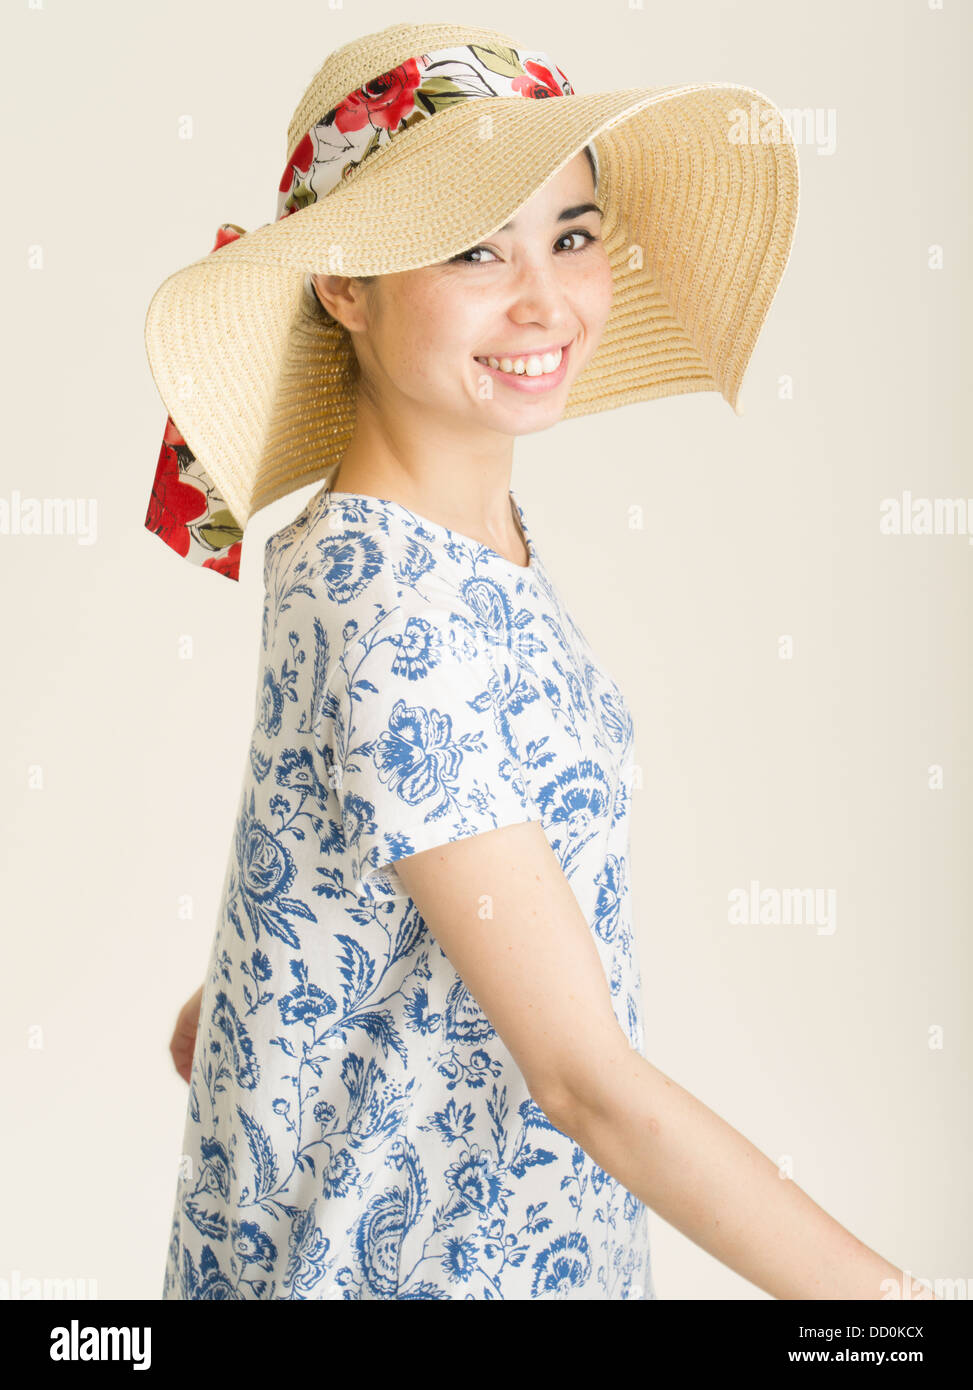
687	541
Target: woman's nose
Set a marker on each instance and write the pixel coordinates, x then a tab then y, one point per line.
537	295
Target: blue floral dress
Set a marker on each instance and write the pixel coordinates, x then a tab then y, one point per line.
355	1128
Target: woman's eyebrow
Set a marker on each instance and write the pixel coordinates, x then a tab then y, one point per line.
567	215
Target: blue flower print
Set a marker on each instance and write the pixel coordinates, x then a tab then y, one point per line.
492	609
272	705
475	1179
463	1019
611	887
386	1219
616	718
208	1282
415	563
564	1265
338	1178
296	771
252	1246
355	1128
307	1255
417	1014
260	874
308	1003
347	563
575	802
417	755
418	649
238	1043
365	1115
460	1259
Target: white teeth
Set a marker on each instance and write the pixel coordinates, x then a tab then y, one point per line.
526	366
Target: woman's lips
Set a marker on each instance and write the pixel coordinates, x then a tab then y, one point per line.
520	381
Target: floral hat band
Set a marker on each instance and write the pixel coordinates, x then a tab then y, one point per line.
370	118
185	508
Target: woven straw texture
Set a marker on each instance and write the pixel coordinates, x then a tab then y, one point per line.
698	230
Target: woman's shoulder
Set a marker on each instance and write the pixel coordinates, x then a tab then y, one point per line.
347	570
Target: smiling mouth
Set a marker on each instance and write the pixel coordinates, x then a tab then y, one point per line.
526	364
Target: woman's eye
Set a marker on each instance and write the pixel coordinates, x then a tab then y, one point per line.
471	252
587	236
578	232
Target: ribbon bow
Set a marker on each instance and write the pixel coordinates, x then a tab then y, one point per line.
185	507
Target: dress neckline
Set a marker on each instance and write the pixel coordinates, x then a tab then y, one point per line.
446	531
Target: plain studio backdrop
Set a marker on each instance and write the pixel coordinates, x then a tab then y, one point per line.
799	677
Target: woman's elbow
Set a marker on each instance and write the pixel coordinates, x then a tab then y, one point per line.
592	1089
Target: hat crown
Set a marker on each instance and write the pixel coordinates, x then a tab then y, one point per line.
354	64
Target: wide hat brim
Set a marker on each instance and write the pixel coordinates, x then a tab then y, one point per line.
698	228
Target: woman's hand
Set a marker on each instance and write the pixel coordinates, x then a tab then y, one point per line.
183	1041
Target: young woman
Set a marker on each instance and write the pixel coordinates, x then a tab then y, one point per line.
416	1064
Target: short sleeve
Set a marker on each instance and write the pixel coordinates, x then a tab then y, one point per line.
421	745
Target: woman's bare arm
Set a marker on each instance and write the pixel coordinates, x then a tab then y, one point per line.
711	1183
507	918
183	1043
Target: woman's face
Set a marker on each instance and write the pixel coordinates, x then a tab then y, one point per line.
544	282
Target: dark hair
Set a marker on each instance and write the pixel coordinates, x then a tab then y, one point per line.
591	161
369	279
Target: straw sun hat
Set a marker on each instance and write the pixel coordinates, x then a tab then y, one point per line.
699	186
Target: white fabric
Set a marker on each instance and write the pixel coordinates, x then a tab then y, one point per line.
356	1128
